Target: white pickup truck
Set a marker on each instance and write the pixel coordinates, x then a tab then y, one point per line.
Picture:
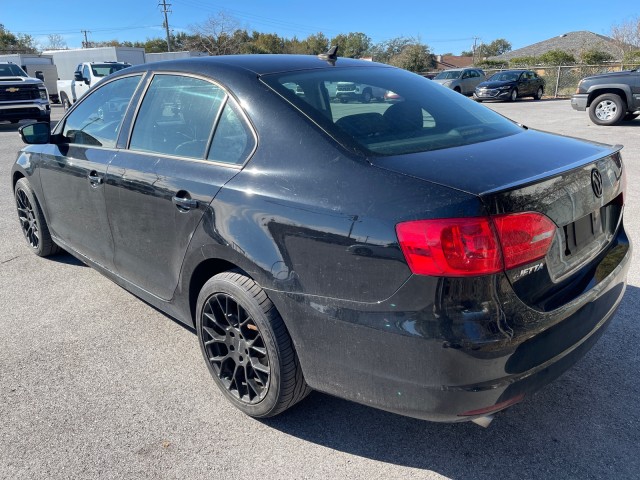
87	74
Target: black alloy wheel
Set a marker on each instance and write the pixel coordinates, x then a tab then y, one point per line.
32	221
246	346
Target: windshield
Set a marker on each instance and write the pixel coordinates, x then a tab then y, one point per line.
405	112
102	70
505	76
448	75
11	70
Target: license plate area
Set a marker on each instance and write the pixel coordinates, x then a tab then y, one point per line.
592	229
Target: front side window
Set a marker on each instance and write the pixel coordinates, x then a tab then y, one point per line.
177	116
96	120
409	114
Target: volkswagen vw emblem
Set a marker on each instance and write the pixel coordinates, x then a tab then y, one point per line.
596	182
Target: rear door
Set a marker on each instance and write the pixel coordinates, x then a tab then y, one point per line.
73	171
159	188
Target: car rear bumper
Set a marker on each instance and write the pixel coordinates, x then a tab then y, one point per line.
579	101
416	355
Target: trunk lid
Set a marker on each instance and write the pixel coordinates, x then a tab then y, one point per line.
577	184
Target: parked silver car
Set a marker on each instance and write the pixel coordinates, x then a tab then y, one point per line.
462	80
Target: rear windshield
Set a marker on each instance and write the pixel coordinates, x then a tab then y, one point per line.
392	112
102	70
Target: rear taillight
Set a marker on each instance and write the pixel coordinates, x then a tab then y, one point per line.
450	247
460	247
525	237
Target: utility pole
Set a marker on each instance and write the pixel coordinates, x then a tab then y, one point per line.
475	45
165	9
85	44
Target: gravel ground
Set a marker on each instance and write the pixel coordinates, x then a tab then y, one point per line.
96	384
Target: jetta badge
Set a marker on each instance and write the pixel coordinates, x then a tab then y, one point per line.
596	182
12	90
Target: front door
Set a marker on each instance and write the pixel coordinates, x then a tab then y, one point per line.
73	170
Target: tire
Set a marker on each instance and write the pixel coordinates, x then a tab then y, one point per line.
247	347
538	94
513	96
457	89
607	109
366	96
32	222
66	104
630	116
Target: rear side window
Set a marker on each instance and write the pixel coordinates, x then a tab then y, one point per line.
233	140
177	116
96	121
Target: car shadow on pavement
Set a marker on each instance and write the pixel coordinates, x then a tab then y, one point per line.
67	259
586	424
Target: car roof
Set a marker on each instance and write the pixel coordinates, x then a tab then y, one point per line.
258	64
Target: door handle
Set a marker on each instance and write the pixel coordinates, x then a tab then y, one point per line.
184	203
95	179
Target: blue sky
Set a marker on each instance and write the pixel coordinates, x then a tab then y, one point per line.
445	26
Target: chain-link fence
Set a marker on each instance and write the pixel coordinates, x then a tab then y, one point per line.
562	81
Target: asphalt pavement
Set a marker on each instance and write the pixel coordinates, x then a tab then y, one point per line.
94	383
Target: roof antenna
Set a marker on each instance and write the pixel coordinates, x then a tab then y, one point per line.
331	55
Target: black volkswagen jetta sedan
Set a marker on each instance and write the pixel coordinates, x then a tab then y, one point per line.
510	85
427	256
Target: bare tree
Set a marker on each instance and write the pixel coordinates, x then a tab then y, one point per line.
627	34
216	35
56	42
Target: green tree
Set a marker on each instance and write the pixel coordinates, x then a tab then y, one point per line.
632	57
523	61
21	43
384	51
315	44
265	43
495	48
595	57
415	58
352	45
557	57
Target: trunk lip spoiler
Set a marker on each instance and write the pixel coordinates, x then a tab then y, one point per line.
551	173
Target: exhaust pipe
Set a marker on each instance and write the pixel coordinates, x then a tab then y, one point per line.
484	422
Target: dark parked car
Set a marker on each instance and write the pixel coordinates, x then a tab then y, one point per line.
510	85
428	256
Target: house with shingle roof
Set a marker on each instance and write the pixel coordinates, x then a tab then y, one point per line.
574	43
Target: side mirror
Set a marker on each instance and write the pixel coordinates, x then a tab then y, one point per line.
77	76
36	133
